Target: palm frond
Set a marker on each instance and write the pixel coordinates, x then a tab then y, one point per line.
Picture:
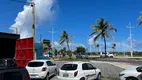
140	19
112	29
140	23
108	35
93	33
97	37
62	41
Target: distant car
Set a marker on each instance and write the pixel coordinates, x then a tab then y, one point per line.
110	55
82	55
78	71
10	71
131	74
41	69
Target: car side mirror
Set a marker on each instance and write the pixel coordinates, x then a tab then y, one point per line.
54	64
139	69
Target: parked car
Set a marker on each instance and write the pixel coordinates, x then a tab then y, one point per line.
41	69
8	62
131	74
110	55
10	71
82	55
78	71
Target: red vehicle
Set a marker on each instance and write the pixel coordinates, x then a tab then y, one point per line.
12	46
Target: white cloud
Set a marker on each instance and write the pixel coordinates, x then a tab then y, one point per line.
44	10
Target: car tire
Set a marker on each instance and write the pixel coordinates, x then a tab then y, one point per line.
82	78
131	78
47	77
99	76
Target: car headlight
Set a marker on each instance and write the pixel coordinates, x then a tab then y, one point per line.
121	75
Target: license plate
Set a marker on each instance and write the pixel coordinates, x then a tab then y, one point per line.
33	75
65	75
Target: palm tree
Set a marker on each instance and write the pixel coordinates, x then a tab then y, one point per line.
113	47
65	38
97	46
102	30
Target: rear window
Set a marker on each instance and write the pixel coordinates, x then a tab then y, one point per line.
69	67
35	64
6	62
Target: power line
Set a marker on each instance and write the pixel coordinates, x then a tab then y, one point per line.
24	22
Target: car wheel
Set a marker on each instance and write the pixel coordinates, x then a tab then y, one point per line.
131	78
47	77
82	78
99	76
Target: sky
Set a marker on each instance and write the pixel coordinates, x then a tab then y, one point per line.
76	17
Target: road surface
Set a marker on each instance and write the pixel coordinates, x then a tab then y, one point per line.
107	70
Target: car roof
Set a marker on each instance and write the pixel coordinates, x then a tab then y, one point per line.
40	60
76	62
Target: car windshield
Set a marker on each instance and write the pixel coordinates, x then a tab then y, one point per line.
69	67
35	64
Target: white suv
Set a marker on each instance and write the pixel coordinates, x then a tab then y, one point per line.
78	71
41	69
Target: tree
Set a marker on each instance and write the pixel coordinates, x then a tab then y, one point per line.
65	38
80	49
113	47
45	47
97	46
102	30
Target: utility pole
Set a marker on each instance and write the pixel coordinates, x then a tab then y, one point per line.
52	32
130	37
33	27
40	38
32	4
33	18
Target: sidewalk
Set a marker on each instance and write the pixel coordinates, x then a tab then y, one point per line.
117	64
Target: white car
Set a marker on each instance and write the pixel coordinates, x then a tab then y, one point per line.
41	69
78	71
110	55
130	74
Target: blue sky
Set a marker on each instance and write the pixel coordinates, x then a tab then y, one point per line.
76	17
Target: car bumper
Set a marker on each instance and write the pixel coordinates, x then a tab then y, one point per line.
122	78
66	78
37	75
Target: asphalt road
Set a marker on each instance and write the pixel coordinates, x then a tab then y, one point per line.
137	63
107	70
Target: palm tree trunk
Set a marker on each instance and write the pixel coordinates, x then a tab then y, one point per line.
69	52
105	46
98	50
68	46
